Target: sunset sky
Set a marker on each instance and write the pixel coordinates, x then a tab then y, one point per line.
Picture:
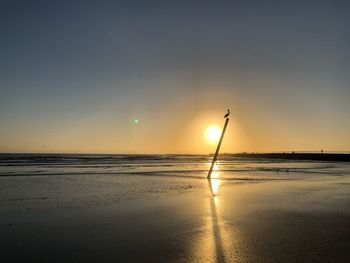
75	75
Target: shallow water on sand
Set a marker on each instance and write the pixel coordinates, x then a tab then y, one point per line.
62	181
161	208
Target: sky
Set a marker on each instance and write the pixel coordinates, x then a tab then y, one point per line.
75	75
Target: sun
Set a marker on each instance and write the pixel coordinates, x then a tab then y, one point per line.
212	134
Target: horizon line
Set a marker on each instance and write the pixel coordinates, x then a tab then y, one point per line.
224	153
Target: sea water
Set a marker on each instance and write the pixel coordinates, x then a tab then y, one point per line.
54	181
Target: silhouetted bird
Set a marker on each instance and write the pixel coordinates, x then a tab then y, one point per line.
227	114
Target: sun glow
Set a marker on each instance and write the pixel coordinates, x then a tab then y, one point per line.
212	134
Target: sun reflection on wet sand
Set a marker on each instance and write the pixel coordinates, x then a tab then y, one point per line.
221	236
214	182
219	253
214	242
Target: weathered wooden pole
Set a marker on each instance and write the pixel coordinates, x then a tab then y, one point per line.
217	149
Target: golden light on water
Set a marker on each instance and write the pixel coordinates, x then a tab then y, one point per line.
214	181
212	134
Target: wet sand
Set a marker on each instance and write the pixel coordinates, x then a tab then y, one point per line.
278	221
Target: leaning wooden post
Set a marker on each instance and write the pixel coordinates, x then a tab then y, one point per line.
218	149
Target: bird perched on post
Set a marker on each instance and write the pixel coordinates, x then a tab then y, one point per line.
227	114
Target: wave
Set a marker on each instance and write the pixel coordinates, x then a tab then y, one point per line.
159	165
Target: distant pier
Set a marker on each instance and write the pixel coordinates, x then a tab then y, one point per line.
307	156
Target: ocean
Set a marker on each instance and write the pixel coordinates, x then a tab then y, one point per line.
54	181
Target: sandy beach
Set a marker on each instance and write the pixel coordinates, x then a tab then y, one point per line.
282	220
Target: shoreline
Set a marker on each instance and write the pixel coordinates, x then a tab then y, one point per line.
307	156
